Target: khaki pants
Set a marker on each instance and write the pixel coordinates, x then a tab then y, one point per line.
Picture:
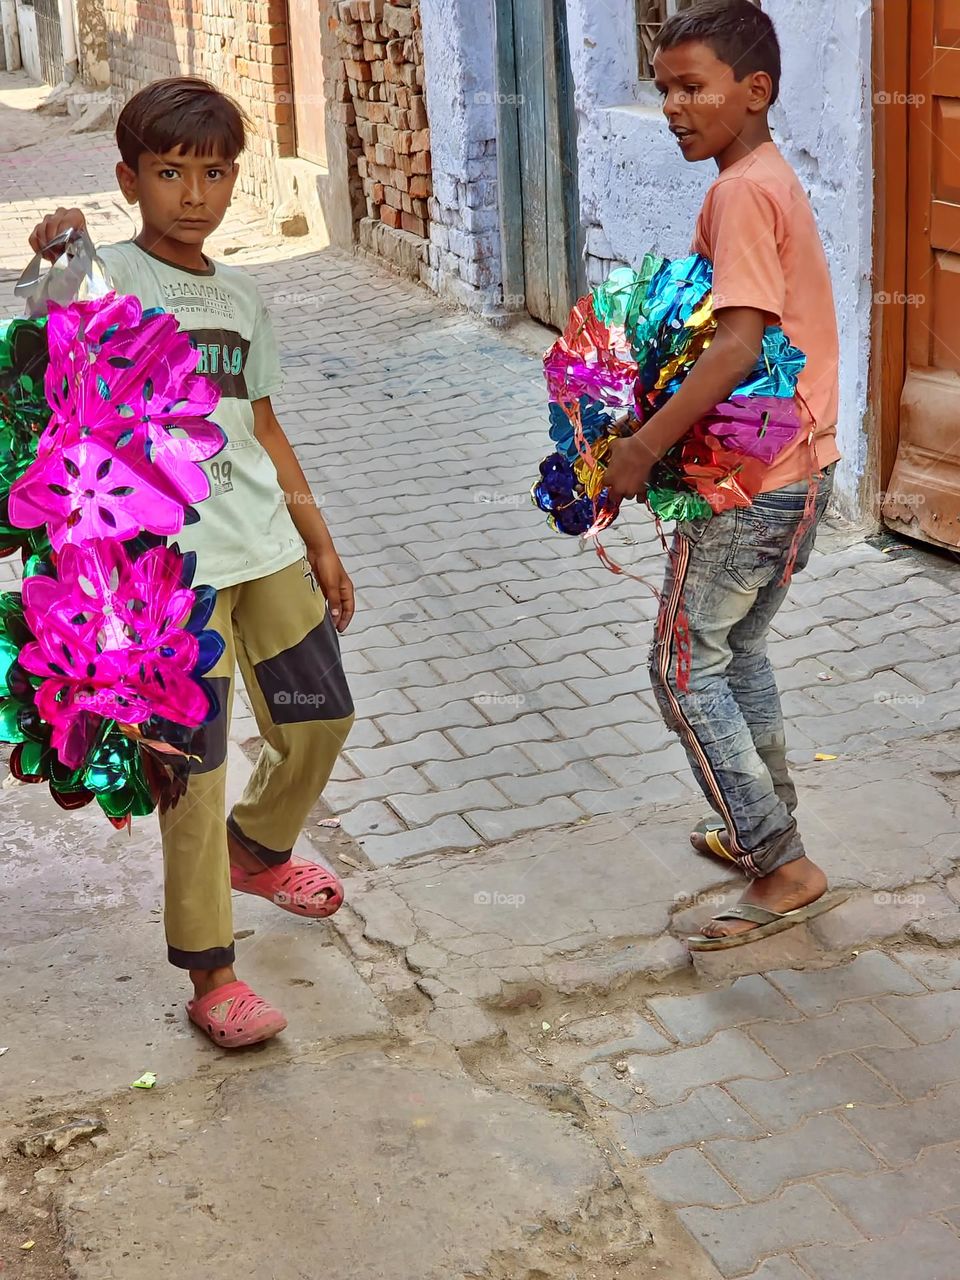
278	630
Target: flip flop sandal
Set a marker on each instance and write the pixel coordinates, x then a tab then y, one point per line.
233	1016
294	886
767	922
711	830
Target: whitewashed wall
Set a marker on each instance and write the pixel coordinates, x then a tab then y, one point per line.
638	193
461	95
29	42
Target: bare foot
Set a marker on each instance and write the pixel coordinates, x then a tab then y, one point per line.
699	842
795	885
207	980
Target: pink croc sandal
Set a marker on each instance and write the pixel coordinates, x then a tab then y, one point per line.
234	1016
295	886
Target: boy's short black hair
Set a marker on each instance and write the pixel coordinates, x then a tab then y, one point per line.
184	113
738	32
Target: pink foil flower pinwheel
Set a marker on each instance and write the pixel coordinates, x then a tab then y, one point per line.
111	643
129	427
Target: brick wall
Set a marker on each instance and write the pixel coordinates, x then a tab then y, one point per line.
380	103
240	45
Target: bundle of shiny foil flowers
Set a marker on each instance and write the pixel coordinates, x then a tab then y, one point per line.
625	351
104	423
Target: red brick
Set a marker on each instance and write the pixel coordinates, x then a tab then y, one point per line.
401	96
393	198
392	217
418	113
273	33
343	91
400	180
377	112
351	33
403	142
398	117
395	51
378	70
282	112
410	222
359	71
420	140
377	193
394	74
384	155
421	187
406	204
421	209
409	76
422	162
372	52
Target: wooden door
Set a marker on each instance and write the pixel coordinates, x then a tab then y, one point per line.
306	59
540	91
50	40
923	494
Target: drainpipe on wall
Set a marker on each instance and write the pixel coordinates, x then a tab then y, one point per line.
11	35
68	34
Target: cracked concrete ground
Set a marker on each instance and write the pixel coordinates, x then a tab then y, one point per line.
501	1064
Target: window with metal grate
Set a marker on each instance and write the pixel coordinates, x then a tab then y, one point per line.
651	15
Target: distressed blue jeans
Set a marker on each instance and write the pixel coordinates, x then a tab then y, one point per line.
726	573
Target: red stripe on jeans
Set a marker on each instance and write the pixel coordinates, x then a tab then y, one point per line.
668	616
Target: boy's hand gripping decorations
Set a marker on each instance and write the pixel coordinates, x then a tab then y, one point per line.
625	351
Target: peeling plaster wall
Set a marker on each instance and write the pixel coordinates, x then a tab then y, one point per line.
461	89
637	192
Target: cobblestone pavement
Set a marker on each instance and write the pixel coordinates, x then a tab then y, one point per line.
801	1122
807	1122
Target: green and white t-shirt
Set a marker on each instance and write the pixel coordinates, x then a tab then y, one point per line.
245	530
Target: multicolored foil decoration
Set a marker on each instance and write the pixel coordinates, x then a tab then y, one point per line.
104	423
625	351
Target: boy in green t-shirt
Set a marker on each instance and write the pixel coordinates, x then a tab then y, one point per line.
260	540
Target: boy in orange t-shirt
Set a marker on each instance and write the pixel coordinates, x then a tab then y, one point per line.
718	69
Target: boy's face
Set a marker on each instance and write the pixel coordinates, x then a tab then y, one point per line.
706	106
182	196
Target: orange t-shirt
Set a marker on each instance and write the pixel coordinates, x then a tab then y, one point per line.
757	228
